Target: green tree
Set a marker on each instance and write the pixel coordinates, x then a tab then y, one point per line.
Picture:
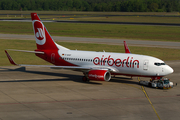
77	4
117	6
86	6
6	5
33	5
45	5
153	7
93	5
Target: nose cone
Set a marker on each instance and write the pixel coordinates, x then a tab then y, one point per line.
169	70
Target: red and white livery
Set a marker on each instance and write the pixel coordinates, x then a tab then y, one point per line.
95	65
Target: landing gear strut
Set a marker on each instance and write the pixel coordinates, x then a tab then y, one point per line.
85	79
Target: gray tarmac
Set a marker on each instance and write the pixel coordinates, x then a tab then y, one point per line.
51	94
162	44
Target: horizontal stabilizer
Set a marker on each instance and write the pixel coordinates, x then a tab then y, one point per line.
26	51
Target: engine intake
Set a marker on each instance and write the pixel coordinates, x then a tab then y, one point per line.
99	75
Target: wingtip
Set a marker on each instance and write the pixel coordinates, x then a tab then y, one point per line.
10	59
126	48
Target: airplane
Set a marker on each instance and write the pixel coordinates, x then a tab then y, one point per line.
98	66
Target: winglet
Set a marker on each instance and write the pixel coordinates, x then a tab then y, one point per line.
126	48
10	59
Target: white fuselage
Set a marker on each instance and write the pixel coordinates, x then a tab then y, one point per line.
122	63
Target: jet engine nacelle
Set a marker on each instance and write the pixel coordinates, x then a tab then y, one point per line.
99	75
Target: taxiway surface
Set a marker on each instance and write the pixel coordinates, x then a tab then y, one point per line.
162	44
48	94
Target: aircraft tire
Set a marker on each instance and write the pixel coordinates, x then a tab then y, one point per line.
85	79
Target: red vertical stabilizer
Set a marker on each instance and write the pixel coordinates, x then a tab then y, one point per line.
43	39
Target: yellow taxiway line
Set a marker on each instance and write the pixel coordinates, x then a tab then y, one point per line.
149	100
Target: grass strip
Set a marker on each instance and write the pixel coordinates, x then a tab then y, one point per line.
154	33
150	17
29	58
89	13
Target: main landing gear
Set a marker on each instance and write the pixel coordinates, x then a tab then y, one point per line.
85	78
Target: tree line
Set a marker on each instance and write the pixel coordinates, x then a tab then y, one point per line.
93	5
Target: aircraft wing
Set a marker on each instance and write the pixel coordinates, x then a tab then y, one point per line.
77	68
127	50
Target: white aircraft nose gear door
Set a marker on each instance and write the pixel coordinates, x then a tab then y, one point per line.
145	64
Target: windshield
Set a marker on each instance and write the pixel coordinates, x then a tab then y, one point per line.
166	81
159	64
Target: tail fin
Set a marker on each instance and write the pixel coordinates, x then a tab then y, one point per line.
126	48
44	40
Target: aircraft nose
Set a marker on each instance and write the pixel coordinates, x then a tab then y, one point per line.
170	70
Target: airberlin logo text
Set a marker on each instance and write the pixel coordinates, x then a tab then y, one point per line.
39	32
96	76
128	62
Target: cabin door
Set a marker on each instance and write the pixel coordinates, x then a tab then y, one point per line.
53	58
145	64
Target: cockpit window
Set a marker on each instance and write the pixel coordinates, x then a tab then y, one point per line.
166	81
159	64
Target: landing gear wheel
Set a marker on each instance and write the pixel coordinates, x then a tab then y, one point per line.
85	79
